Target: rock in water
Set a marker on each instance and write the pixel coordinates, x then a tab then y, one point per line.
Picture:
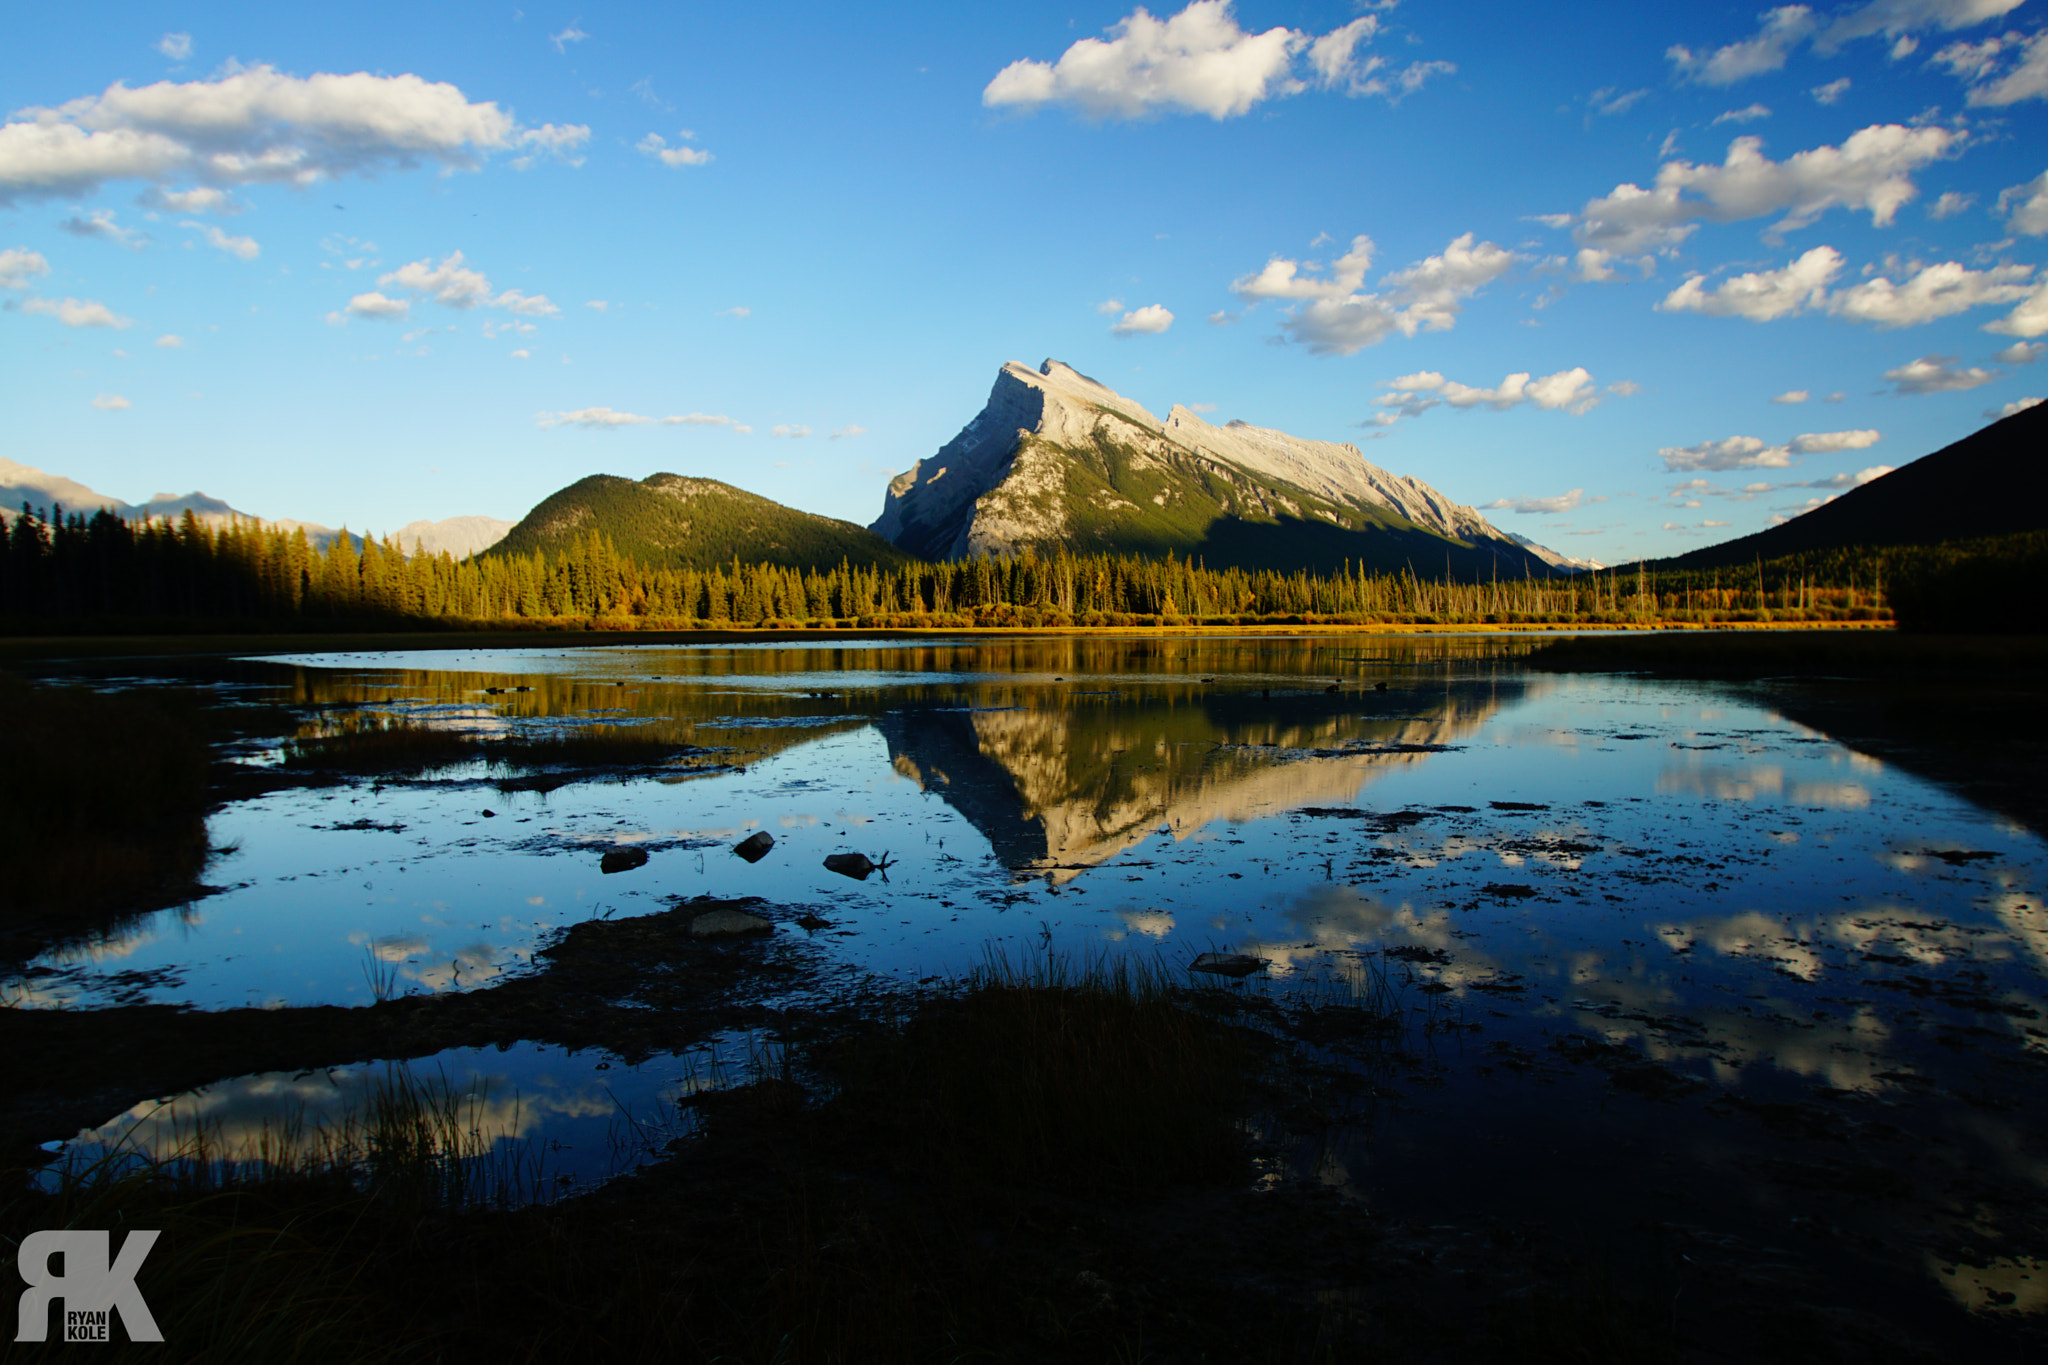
854	865
728	924
1227	964
622	859
755	846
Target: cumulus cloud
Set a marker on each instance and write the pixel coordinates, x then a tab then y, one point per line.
373	305
1761	295
2027	79
1782	30
176	46
1748	452
241	248
1334	314
453	283
201	199
590	419
100	224
1748	115
848	432
256	125
1870	172
111	402
2026	206
1109	307
170	341
1200	62
2022	352
706	419
1935	291
19	265
1839	482
2030	319
1152	319
77	312
1832	92
789	431
1612	100
1593	266
655	145
522	354
1568	390
1936	374
1792	396
570	34
1529	507
1949	205
2016	405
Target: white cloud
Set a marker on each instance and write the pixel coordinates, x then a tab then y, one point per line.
1109	307
1569	390
1949	205
1842	481
705	419
1152	319
1624	388
790	431
202	199
373	305
1761	295
100	223
1832	92
496	327
848	432
1612	101
1936	374
2026	81
559	140
2022	352
1563	502
1782	30
19	265
2026	206
1935	291
111	402
1592	265
1336	314
655	145
176	46
1870	171
570	34
1748	115
1785	28
2016	405
737	313
170	341
253	126
522	354
599	304
453	283
241	248
77	312
590	419
1200	62
2030	319
1792	396
1747	452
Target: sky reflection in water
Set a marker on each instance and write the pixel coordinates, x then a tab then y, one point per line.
1670	865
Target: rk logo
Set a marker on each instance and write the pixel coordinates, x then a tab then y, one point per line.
92	1287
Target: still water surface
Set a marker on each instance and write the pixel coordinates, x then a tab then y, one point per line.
1676	868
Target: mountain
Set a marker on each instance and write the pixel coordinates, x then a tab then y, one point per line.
1993	482
1055	458
20	483
460	537
668	519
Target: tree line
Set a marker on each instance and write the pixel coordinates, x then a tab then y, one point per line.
104	572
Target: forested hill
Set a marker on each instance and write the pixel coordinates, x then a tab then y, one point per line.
668	520
1993	482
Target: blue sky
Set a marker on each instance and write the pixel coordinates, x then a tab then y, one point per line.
1631	278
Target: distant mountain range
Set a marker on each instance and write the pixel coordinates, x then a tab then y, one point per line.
20	483
1055	458
1993	482
694	523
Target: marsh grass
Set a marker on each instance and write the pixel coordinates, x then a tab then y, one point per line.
103	804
